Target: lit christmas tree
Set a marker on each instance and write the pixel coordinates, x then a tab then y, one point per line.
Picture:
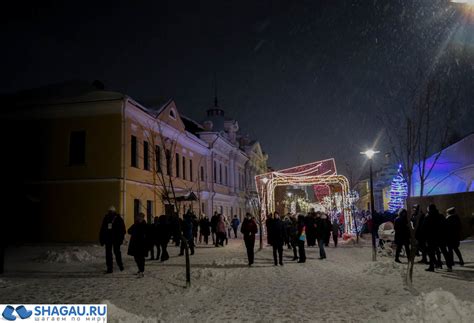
398	192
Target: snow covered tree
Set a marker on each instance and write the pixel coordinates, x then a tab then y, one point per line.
398	192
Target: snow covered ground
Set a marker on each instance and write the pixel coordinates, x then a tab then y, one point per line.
346	287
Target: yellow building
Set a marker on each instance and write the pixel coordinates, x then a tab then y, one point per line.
103	148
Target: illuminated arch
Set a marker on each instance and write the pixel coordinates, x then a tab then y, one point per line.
316	173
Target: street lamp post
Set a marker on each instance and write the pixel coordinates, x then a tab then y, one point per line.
370	154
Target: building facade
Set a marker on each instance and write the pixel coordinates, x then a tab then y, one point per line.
104	148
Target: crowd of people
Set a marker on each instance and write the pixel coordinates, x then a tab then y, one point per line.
432	234
146	238
296	231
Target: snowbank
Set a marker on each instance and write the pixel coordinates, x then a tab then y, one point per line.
436	306
66	256
118	315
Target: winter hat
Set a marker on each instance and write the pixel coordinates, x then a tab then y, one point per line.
451	210
111	208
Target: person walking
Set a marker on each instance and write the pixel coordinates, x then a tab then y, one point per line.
277	234
293	234
155	238
204	229
310	222
220	231
402	234
434	237
187	232
417	219
268	223
235	225
112	233
323	230
453	235
164	234
248	230
137	246
301	238
214	220
335	231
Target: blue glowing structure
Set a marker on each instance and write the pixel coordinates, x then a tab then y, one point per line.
452	173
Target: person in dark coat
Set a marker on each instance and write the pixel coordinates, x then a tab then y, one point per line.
287	224
187	231
164	234
433	234
301	238
453	235
154	234
335	231
417	218
310	222
248	230
235	225
214	220
402	234
176	228
293	234
277	234
204	229
323	230
137	246
112	233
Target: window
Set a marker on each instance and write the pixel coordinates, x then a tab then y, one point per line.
215	172
202	207
184	168
220	173
149	211
172	114
191	170
226	177
134	152
158	158
168	162
202	173
177	164
136	207
146	156
77	148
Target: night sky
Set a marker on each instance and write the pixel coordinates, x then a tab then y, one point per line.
308	79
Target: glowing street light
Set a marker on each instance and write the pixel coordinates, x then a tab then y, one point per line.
467	2
370	153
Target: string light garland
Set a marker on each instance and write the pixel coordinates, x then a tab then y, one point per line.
398	192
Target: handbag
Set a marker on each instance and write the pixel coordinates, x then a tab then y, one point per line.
303	234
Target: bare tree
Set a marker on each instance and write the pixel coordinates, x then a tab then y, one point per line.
162	180
421	130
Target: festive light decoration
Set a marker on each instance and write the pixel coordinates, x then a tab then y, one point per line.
398	192
316	173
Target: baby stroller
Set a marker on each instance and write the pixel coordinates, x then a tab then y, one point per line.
386	234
